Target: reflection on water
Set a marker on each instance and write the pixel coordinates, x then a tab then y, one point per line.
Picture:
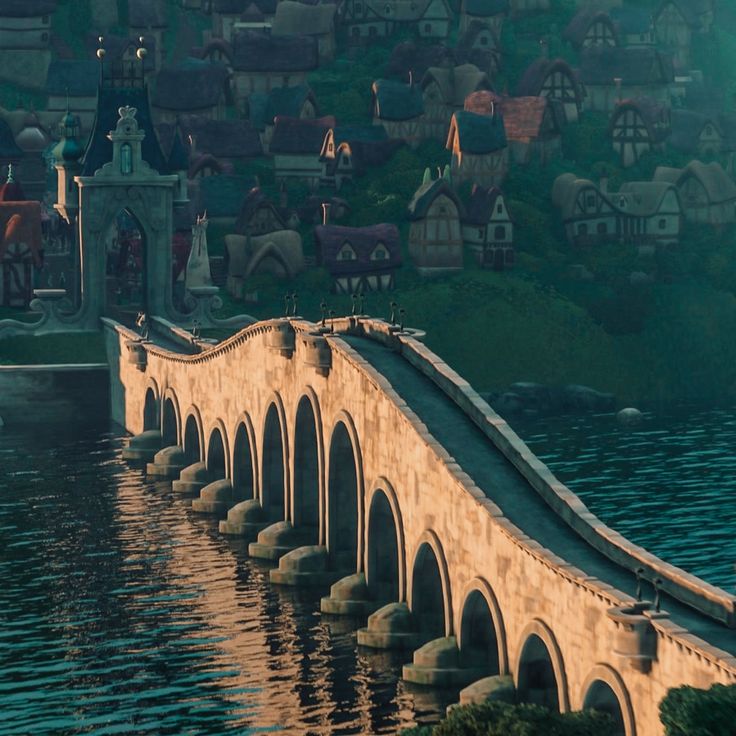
123	612
668	485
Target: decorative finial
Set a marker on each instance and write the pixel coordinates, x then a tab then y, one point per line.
11	175
639	573
101	51
294	304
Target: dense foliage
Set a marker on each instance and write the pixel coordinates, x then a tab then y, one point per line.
688	711
502	719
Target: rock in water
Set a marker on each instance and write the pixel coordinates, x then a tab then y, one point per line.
629	417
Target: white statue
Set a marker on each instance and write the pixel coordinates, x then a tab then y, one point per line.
198	265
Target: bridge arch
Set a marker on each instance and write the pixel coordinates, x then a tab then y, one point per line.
430	598
170	419
244	462
274	461
540	670
385	560
307	472
344	517
482	635
604	690
218	453
152	406
193	438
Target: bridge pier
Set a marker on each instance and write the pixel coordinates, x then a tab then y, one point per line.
143	447
438	664
349	596
167	463
305	566
245	519
192	479
214	498
496	687
277	539
390	627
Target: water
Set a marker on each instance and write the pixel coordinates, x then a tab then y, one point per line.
121	611
668	485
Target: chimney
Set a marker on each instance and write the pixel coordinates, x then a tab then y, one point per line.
411	78
192	146
325	213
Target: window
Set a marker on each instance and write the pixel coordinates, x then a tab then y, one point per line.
583	228
662	224
380	253
483	40
590	200
509	257
481	232
428	28
346	159
500	232
387	9
499	209
602	228
44	37
355	31
346	253
45	20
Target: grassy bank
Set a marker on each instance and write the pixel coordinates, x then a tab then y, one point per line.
76	348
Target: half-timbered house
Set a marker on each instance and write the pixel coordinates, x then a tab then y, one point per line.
704	134
399	108
637	127
557	80
488	228
591	27
479	45
479	148
365	20
296	148
676	21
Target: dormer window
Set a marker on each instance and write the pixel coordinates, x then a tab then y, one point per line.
380	253
346	253
387	9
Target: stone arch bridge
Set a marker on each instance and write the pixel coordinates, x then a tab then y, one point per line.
355	458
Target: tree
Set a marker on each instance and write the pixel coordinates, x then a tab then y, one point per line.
688	711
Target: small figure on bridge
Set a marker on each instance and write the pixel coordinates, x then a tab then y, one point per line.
141	322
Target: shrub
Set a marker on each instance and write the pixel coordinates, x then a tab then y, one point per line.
688	711
502	719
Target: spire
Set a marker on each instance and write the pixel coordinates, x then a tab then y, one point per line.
11	177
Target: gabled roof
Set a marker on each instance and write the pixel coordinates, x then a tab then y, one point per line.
26	8
467	40
577	29
692	11
456	83
536	73
634	65
485	8
222	138
427	193
147	14
330	240
718	185
409	57
295	18
394	100
523	117
257	51
192	85
481	205
77	77
477	134
642	198
255	200
297	136
20	222
99	146
655	116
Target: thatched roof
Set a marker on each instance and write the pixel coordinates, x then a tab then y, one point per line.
634	65
297	136
394	100
485	8
408	57
718	185
538	71
457	82
656	116
330	240
477	134
256	51
235	139
577	29
427	193
256	199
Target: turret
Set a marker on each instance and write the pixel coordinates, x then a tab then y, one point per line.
67	153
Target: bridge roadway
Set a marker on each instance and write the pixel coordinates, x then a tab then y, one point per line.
501	482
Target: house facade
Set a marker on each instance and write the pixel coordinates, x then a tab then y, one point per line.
317	21
480	152
435	236
26	24
488	13
591	27
296	148
365	20
399	108
557	80
488	228
637	127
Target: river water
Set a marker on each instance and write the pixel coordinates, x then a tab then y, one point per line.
121	611
668	484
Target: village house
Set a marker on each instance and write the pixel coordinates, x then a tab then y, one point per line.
26	24
359	259
644	214
676	21
557	80
262	108
225	13
259	215
703	134
252	19
435	237
261	62
73	83
634	26
637	127
444	90
148	18
481	46
488	13
411	60
365	20
317	21
488	228
296	148
707	193
480	152
591	26
611	74
194	87
533	125
399	108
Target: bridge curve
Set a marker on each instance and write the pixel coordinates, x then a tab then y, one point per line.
401	472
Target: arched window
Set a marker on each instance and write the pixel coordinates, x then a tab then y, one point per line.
126	159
